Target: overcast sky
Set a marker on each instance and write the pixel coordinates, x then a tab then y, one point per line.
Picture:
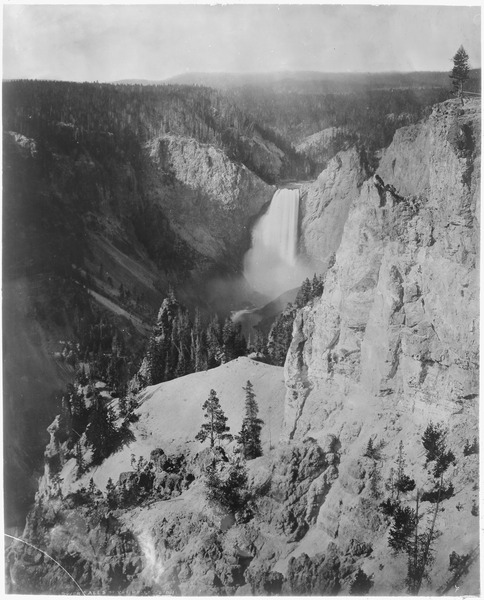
108	43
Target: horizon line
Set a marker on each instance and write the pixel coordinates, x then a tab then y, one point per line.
234	74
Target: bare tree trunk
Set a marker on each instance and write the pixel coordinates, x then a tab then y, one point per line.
425	555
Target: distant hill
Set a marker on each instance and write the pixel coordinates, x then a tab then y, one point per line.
322	82
137	82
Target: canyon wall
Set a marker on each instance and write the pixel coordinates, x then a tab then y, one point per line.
210	201
390	347
399	313
393	342
325	204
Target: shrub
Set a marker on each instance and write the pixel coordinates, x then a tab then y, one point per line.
443	462
433	441
458	562
371	451
405	484
389	506
471	448
401	533
438	494
361	584
229	488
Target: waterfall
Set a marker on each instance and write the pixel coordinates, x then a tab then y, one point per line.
271	265
277	230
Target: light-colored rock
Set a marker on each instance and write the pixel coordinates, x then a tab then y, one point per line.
324	207
210	200
392	344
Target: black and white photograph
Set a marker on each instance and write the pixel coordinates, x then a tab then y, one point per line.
240	299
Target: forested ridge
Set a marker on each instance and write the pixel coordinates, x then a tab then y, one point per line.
126	116
369	107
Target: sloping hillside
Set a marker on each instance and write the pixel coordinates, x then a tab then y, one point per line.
170	414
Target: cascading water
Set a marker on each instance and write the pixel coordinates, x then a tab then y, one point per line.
271	266
276	231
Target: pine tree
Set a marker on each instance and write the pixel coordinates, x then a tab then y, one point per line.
304	294
198	344
80	413
64	428
228	339
81	376
317	286
361	584
80	463
101	433
259	342
169	349
280	336
228	487
403	483
460	72
215	428
123	406
214	343
371	451
249	436
111	495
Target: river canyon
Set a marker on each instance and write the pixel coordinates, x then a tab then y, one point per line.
155	253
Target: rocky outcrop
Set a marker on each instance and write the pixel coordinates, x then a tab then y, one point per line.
210	200
324	207
321	146
399	315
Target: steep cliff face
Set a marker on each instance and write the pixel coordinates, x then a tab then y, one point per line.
393	342
210	200
320	147
399	314
324	207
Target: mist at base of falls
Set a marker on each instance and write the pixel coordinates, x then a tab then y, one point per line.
272	266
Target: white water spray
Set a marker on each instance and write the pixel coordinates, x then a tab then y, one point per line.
271	266
276	231
153	568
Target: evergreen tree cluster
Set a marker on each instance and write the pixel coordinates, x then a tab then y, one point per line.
408	534
178	346
471	448
87	419
280	335
309	290
227	487
434	442
226	480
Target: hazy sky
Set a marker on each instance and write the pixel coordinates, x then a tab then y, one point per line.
107	43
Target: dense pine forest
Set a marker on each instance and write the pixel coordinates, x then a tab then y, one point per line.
105	118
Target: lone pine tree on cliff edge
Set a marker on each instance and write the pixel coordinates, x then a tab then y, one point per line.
460	72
